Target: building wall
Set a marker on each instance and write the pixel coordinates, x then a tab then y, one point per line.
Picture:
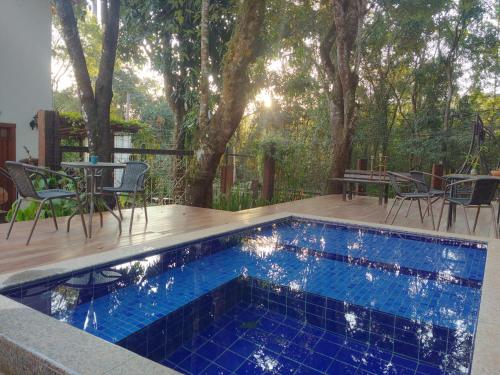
25	54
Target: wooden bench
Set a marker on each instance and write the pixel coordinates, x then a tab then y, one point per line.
353	177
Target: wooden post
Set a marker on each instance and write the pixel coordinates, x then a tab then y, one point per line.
49	141
269	174
436	183
362	165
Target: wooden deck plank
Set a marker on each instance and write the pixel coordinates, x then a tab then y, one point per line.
49	246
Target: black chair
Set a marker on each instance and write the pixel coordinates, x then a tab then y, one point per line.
417	192
22	174
425	185
6	177
482	193
132	184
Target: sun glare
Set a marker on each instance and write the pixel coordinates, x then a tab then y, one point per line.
265	98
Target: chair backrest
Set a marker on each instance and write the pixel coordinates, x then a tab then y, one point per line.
484	191
133	174
419	181
22	180
394	183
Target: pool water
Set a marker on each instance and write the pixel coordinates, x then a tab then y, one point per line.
294	296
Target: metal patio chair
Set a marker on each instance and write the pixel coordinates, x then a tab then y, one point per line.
418	192
21	174
132	184
482	193
6	176
425	185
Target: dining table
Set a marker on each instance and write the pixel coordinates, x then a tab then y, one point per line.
92	194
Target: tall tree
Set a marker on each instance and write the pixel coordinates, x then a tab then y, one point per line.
243	49
96	101
340	54
204	93
460	14
169	32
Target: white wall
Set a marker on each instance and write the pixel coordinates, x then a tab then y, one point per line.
25	51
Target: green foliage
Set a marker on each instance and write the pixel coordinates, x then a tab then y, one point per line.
75	120
62	207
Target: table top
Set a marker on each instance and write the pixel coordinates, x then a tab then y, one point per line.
463	176
87	164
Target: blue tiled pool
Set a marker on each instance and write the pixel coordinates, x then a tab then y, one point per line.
294	296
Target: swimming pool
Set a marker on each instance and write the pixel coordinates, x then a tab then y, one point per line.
293	296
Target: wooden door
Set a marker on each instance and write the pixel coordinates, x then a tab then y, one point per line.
7	152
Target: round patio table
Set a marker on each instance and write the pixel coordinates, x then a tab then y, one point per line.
92	171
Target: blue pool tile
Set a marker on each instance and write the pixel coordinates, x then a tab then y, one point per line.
243	347
194	364
305	370
285	366
225	338
297	353
267	324
327	348
349	356
338	367
210	350
179	355
213	369
286	332
429	370
230	360
318	361
249	368
305	340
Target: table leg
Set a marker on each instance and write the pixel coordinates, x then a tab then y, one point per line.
450	215
91	209
386	193
380	194
350	191
344	190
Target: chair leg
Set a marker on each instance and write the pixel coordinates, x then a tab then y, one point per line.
475	219
115	215
38	212
80	210
397	212
495	225
53	213
145	206
18	204
429	208
498	214
420	211
466	220
409	206
441	214
132	216
100	217
117	198
390	210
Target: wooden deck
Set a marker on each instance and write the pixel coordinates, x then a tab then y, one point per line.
49	246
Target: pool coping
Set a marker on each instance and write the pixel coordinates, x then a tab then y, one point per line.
75	350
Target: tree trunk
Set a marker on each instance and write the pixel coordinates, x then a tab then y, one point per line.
242	51
340	54
204	94
96	104
447	110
